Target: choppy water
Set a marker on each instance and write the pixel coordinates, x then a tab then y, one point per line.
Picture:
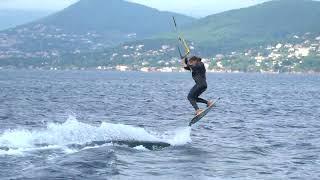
97	125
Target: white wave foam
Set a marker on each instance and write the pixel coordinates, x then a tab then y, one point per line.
15	152
75	132
181	137
141	148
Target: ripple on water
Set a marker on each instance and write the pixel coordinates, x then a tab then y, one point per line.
265	127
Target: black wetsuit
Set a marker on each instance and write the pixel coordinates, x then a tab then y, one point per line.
199	75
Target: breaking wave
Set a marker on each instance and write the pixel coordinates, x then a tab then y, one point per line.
73	133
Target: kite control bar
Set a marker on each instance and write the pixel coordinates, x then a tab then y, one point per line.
182	41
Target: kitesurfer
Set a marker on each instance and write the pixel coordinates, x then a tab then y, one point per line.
198	70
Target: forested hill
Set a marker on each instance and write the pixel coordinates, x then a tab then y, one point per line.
113	16
268	22
89	25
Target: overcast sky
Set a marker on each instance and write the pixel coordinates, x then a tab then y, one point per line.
197	8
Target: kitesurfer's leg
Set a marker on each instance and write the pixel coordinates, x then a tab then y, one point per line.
199	91
193	98
200	100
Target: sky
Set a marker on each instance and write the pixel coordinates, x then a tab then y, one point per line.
196	8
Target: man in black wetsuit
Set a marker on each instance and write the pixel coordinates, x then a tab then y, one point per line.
198	70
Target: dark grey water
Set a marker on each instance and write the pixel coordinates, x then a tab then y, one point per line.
97	125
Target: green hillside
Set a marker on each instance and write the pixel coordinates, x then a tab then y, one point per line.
266	23
276	36
88	25
113	18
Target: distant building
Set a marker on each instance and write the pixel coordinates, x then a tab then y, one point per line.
132	35
145	63
302	52
296	37
144	69
165	69
219	56
219	64
278	46
259	59
288	45
206	65
274	56
122	68
164	47
291	49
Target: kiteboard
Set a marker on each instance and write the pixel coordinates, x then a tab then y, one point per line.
204	113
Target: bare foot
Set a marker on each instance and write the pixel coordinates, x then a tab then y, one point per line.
199	111
209	103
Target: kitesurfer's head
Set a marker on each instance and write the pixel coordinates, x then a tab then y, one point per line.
194	59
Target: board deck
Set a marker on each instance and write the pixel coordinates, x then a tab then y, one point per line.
205	112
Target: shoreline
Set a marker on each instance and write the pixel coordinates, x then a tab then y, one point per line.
137	71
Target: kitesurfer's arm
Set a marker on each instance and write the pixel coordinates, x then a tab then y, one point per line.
185	64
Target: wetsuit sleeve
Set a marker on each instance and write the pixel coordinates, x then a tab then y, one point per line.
186	62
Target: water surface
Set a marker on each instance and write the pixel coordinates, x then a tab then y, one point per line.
96	125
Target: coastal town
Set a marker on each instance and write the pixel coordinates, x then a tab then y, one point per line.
47	42
298	54
280	57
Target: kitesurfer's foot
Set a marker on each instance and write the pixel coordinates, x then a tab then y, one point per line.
209	103
199	111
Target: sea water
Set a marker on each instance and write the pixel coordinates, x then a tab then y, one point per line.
97	125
